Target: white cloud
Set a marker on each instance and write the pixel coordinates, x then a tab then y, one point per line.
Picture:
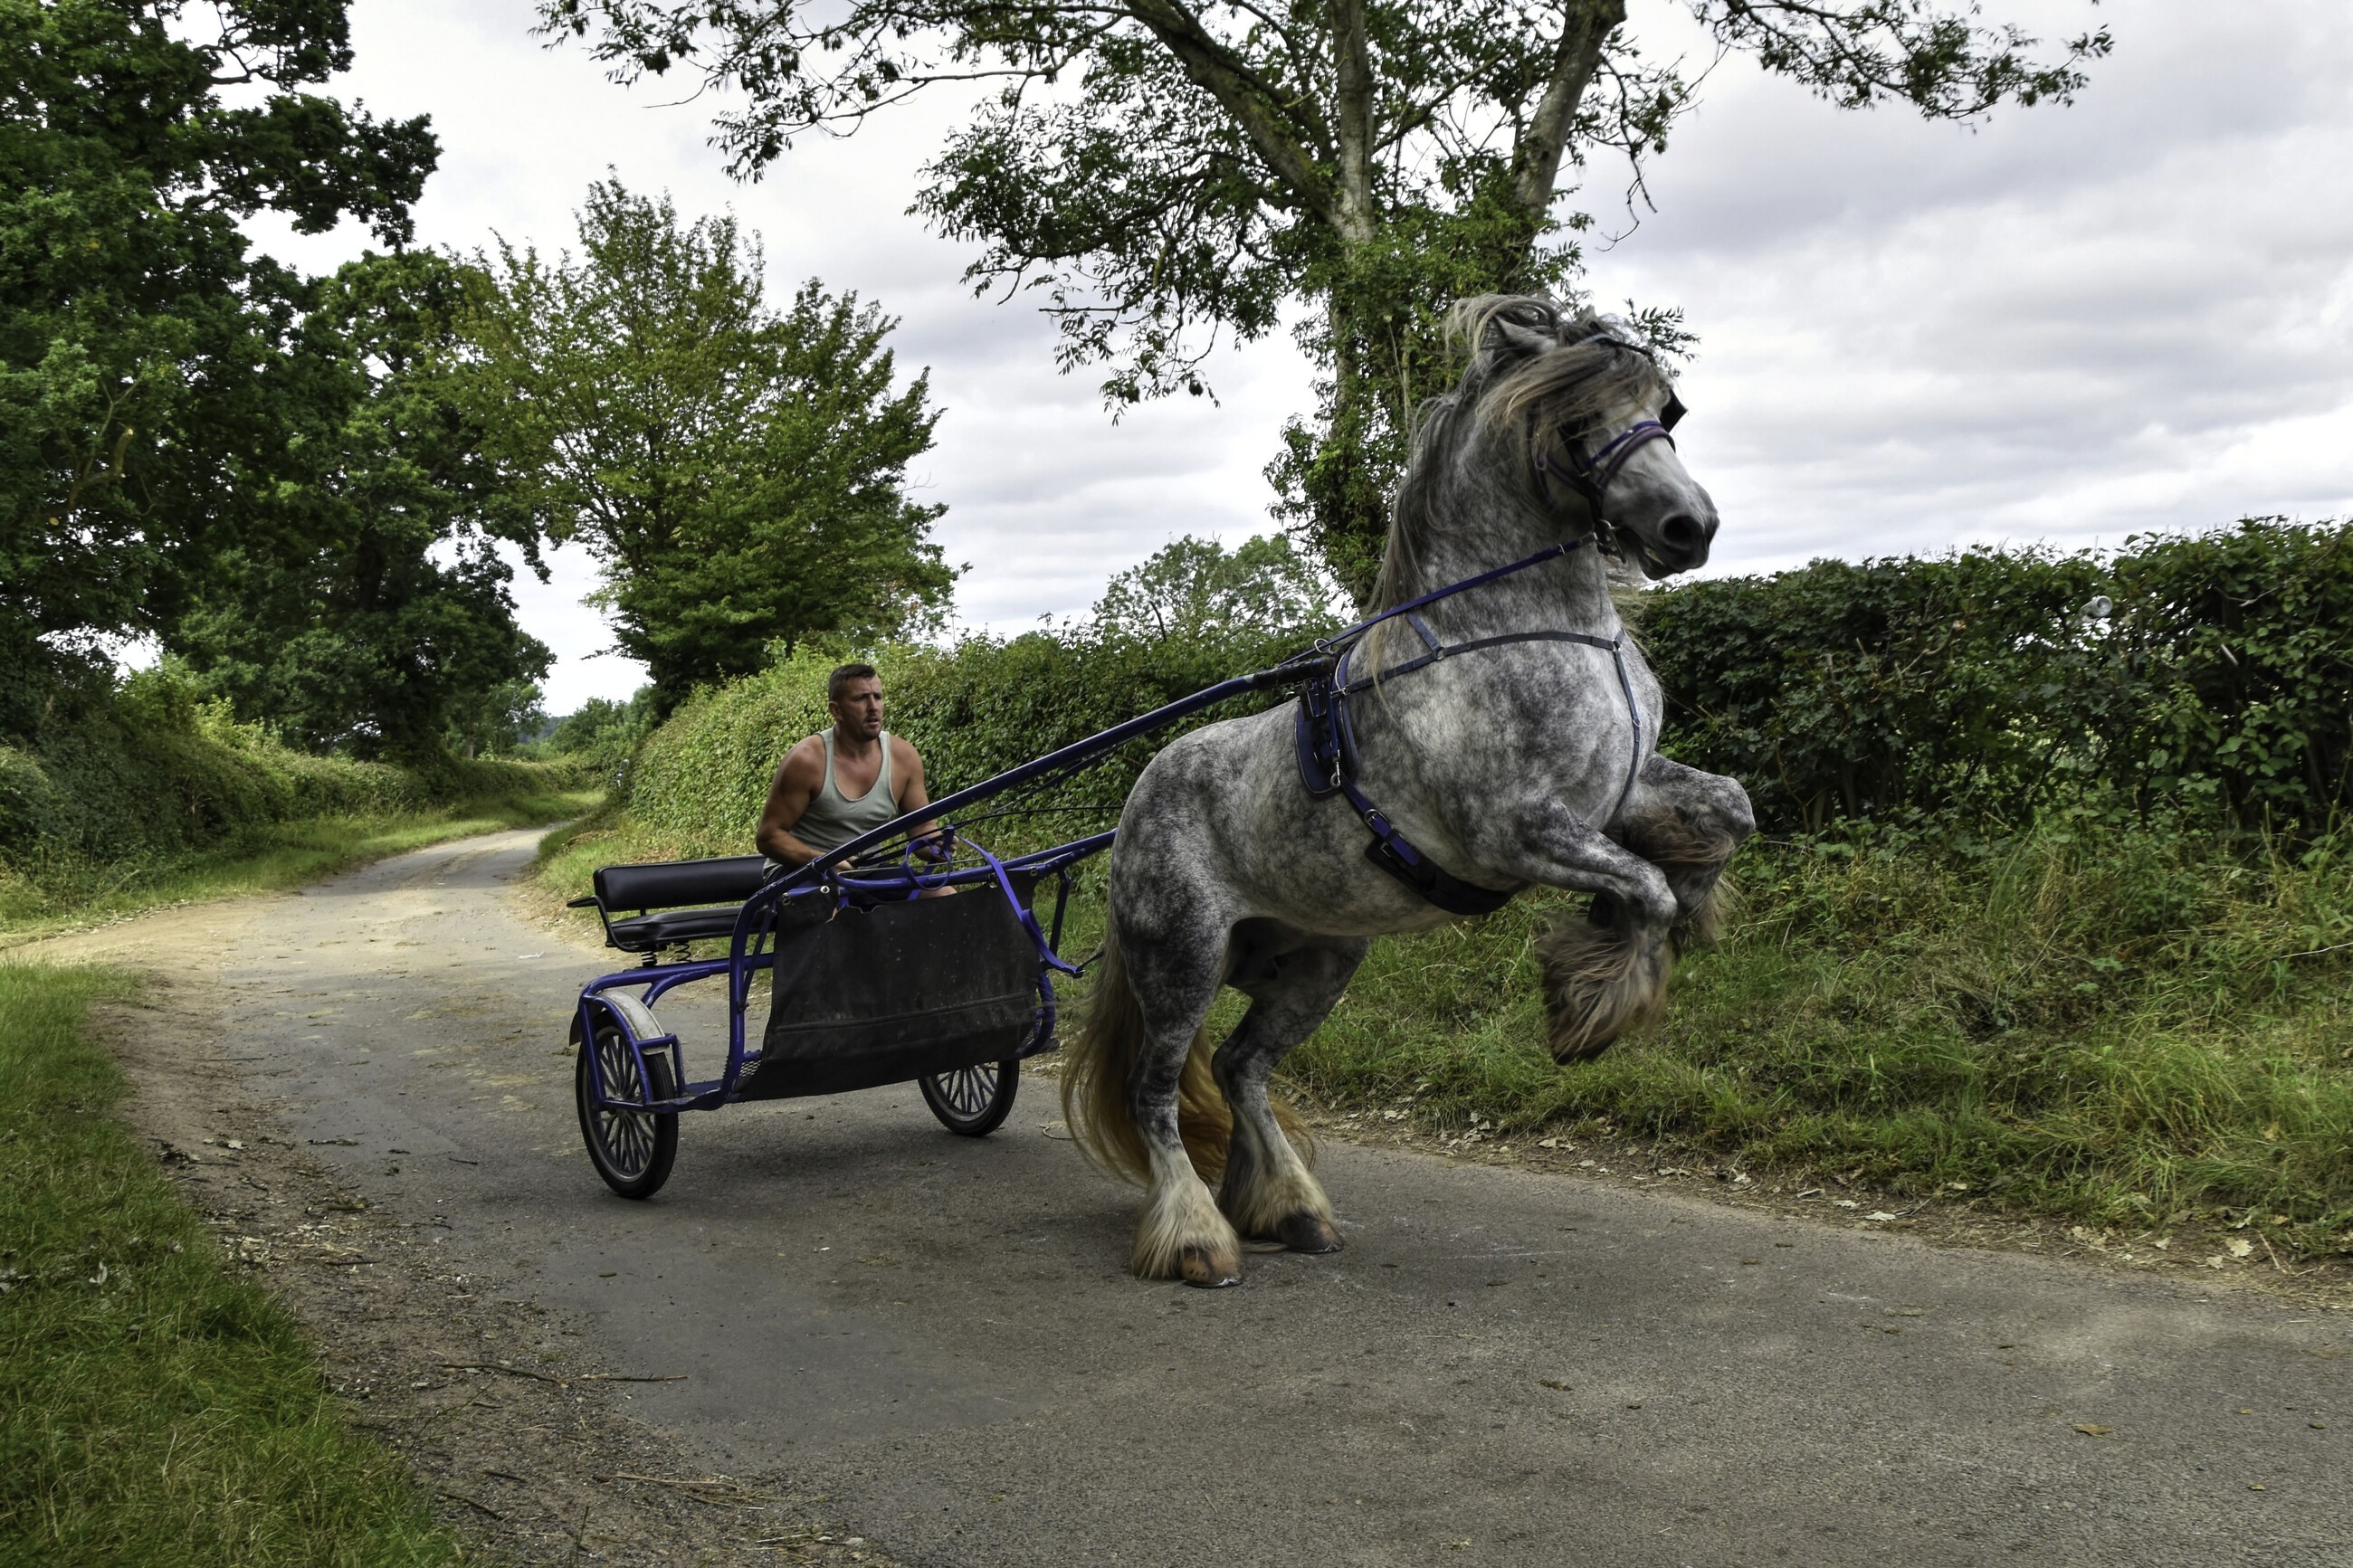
2070	324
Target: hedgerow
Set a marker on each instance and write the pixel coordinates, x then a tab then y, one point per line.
126	788
2213	672
1977	691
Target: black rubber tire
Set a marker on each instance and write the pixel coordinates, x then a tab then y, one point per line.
973	1102
632	1150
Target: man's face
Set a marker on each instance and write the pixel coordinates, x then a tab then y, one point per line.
858	711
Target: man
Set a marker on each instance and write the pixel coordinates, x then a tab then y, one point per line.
849	780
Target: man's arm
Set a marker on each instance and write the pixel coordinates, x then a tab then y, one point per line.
798	778
907	769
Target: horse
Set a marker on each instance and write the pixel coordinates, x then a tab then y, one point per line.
1503	734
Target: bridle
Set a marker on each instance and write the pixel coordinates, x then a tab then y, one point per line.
1589	476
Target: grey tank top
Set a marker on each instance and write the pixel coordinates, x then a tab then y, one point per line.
834	818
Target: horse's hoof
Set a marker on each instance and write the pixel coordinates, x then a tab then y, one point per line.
1210	1271
1301	1231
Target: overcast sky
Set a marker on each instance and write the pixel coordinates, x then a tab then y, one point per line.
2068	325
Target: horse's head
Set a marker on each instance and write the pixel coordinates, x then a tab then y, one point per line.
1578	410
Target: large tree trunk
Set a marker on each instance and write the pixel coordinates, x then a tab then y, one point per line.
1386	298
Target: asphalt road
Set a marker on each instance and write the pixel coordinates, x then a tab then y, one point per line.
1502	1367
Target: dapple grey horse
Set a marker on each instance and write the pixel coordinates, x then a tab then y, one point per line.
1528	760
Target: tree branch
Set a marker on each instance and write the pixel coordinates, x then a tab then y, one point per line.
1352	114
1537	158
1237	89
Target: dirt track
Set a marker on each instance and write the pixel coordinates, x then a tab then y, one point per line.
872	1329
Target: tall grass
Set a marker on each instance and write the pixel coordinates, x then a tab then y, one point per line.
2142	1024
154	1409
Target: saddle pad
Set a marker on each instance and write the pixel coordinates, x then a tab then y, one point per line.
894	992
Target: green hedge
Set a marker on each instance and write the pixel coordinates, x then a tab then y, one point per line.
2213	672
973	711
155	771
1978	689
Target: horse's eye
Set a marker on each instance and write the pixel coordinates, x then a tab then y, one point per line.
1672	415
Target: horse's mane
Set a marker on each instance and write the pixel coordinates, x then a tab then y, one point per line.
1509	385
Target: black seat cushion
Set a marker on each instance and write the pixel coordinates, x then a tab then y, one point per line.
674	884
643	933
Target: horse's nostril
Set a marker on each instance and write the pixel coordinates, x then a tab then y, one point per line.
1682	533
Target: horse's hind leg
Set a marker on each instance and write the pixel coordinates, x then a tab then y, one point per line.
1267	1191
1173	959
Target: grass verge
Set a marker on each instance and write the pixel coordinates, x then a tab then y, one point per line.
2140	1028
154	1408
46	894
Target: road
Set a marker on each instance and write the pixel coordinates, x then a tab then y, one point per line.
1503	1367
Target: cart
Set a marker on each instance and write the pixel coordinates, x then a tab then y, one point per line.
876	975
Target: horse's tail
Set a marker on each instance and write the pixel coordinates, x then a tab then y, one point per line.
1095	1073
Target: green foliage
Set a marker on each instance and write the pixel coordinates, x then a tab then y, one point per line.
602	734
2237	649
1187	617
162	776
380	623
1194	593
149	367
154	1408
1985	688
2143	1025
739	472
1161	174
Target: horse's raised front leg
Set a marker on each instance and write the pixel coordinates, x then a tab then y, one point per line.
1687	824
1292	985
1608	973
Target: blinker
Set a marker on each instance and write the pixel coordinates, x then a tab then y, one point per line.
1672	415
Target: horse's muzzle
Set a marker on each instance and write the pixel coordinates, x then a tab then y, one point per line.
1680	543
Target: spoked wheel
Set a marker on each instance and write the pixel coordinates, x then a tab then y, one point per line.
632	1150
973	1101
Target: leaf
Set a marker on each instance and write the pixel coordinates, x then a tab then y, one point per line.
2092	1429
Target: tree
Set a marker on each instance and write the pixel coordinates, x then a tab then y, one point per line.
740	473
603	732
145	358
372	614
1197	591
1167	170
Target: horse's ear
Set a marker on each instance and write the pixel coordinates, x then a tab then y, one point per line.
1509	326
1519	338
